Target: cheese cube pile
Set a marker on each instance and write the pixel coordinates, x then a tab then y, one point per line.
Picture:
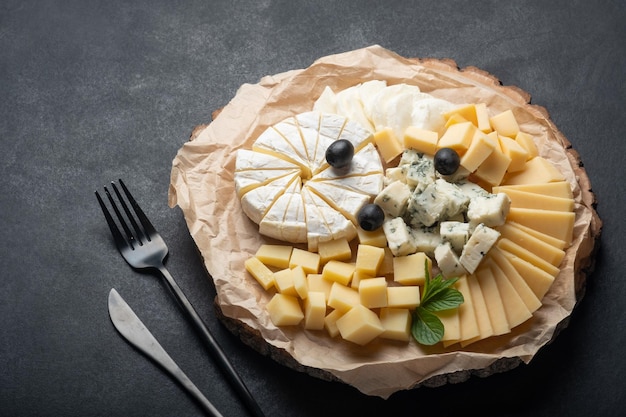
356	298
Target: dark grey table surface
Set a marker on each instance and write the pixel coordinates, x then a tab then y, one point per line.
92	91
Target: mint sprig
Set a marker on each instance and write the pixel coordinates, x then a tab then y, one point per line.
438	295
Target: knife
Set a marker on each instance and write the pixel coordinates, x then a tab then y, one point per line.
132	329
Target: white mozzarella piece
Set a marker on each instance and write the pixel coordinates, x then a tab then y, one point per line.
349	104
427	113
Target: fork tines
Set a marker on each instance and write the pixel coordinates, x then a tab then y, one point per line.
141	232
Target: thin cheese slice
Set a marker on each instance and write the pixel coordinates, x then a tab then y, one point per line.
521	287
493	300
544	250
537	279
480	311
537	170
560	189
558	224
525	199
514	307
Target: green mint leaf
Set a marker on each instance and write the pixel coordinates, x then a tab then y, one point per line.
446	299
427	328
435	287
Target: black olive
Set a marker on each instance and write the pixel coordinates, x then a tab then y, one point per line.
371	217
447	161
339	154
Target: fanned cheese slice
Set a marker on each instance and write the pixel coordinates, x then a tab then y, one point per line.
289	158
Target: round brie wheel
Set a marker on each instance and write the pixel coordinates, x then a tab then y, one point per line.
292	193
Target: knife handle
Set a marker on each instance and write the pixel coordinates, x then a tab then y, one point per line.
214	348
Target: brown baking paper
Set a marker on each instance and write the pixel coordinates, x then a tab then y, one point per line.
202	186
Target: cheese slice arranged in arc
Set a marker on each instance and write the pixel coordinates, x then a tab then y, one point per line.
288	189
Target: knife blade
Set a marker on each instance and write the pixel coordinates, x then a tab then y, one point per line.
134	331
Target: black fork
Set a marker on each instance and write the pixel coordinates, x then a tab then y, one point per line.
143	248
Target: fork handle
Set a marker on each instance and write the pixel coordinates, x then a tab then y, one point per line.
215	349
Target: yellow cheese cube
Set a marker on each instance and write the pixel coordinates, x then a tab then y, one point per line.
458	137
558	224
309	261
560	189
411	269
505	123
343	298
493	301
360	325
386	268
422	140
357	277
537	170
338	271
374	238
316	282
467	112
260	272
388	144
455	119
480	148
330	322
284	310
482	118
314	311
369	258
373	292
492	170
337	249
300	283
515	151
527	142
284	282
274	255
397	323
403	297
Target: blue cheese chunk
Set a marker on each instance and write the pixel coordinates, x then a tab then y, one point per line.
399	238
489	209
448	261
420	173
426	239
393	199
455	233
437	202
481	241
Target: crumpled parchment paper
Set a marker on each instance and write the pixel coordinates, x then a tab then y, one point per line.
202	186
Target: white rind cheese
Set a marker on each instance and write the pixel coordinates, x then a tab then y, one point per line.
287	187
